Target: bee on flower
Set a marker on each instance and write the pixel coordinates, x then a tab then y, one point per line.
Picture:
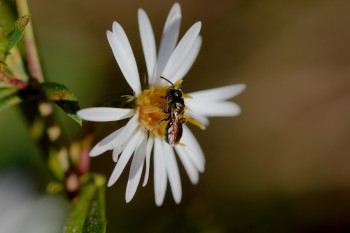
159	121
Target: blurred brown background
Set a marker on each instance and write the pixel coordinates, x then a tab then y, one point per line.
281	166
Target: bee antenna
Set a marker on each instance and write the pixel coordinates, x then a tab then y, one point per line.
168	81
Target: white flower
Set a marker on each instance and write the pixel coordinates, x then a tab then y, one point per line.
145	131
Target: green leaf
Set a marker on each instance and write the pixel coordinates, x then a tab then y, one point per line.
3	46
6	91
15	67
88	211
9	100
16	34
63	97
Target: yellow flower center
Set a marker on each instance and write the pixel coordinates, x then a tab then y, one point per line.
152	103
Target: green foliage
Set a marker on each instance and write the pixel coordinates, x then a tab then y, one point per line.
14	68
3	47
63	97
57	162
21	79
88	211
17	32
8	98
12	72
6	91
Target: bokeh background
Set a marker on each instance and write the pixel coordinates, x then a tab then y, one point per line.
281	166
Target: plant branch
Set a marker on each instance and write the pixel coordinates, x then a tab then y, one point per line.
44	126
30	45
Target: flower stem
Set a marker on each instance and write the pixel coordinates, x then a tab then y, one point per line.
34	66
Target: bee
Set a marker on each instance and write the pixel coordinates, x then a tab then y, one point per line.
175	109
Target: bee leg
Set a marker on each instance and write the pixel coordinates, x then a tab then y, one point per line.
165	119
160	122
166	111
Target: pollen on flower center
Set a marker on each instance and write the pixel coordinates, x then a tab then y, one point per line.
151	103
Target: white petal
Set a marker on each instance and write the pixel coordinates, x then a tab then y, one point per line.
119	32
169	38
213	109
116	139
148	158
105	144
173	16
119	142
102	114
160	175
220	93
188	60
181	51
198	117
122	141
173	172
125	58
136	169
193	149
188	165
148	42
124	158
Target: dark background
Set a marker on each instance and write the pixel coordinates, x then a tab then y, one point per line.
281	166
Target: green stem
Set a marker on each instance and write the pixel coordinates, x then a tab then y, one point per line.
30	45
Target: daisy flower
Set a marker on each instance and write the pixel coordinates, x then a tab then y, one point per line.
147	130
